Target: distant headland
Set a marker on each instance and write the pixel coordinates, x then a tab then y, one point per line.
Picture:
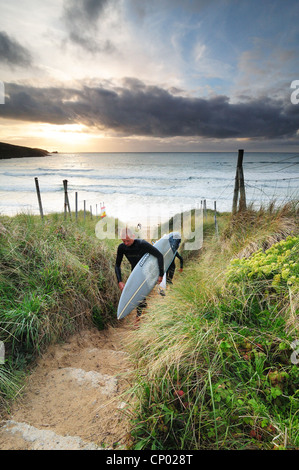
16	151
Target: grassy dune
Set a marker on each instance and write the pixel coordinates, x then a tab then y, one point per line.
213	358
55	278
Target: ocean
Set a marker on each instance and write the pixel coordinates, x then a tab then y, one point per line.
136	187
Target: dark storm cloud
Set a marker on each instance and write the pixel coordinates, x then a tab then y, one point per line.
137	109
81	18
12	52
37	104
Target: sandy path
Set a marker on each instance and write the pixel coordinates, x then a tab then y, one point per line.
75	397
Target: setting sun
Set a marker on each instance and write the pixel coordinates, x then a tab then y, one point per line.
66	135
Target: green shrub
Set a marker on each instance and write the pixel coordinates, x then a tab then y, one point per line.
278	264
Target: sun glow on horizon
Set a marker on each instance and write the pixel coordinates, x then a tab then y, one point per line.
52	137
64	134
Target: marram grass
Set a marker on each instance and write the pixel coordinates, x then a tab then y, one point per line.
213	368
55	278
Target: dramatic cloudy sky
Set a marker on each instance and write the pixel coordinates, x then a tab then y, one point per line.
142	75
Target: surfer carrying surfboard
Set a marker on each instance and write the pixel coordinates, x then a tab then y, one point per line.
134	249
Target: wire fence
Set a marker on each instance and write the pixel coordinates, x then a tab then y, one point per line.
277	182
270	185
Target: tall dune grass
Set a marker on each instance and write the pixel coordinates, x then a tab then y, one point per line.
213	368
55	278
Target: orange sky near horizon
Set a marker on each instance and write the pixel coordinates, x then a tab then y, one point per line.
78	138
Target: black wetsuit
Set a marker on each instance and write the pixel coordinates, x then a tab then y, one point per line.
134	253
171	269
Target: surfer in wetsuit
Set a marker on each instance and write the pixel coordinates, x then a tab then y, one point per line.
171	269
134	249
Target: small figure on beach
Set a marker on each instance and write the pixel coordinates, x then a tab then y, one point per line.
133	249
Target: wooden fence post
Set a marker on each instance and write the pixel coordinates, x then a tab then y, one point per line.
64	185
239	185
39	198
76	205
205	209
242	199
215	218
66	200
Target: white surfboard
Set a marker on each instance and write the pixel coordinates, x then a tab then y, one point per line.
163	283
145	274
